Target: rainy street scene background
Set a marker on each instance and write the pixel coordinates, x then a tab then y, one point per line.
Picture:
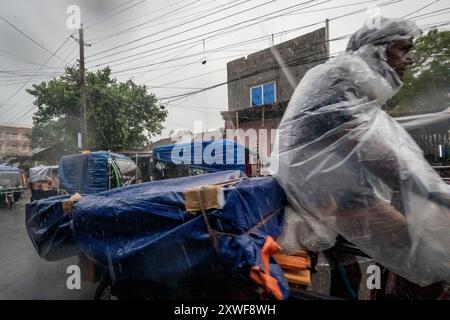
225	150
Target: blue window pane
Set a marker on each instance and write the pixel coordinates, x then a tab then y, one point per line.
269	93
256	96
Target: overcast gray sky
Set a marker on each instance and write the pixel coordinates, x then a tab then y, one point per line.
136	38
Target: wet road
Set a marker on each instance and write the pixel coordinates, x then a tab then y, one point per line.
23	275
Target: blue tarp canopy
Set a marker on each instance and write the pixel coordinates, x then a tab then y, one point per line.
143	231
209	155
86	173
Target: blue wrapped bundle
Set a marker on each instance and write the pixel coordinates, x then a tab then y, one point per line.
49	229
86	173
144	232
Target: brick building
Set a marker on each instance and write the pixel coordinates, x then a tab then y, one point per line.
14	141
261	85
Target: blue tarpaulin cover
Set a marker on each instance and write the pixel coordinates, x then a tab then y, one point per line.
211	156
143	231
86	173
49	229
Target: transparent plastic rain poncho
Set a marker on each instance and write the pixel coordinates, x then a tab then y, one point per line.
348	168
42	173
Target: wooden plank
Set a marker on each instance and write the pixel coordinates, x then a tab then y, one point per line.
301	277
292	262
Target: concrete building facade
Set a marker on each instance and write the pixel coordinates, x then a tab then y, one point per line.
283	65
14	141
261	85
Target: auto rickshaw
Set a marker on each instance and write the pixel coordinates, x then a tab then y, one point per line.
93	172
12	184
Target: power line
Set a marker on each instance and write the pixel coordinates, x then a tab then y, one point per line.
293	62
24	74
19	59
117	13
166	61
197	110
430	14
229	31
178	33
28	37
160	64
28	80
181	41
420	9
98	39
143	15
195	14
190	78
193	106
180	88
10	74
68	55
179	67
336	7
435	25
193	77
22	116
232	45
121	100
254	40
246	76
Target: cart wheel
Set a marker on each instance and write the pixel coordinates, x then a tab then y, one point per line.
9	205
104	291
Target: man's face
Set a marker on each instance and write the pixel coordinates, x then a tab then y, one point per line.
399	56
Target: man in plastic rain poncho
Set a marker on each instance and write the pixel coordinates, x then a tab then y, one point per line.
352	172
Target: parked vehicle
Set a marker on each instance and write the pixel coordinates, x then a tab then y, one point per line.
93	172
200	157
12	184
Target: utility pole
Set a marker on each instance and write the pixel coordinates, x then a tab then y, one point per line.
327	37
84	144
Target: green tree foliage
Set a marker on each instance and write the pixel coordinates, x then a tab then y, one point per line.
427	83
120	115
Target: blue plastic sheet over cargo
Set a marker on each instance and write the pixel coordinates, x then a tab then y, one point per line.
211	156
49	229
143	231
86	173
